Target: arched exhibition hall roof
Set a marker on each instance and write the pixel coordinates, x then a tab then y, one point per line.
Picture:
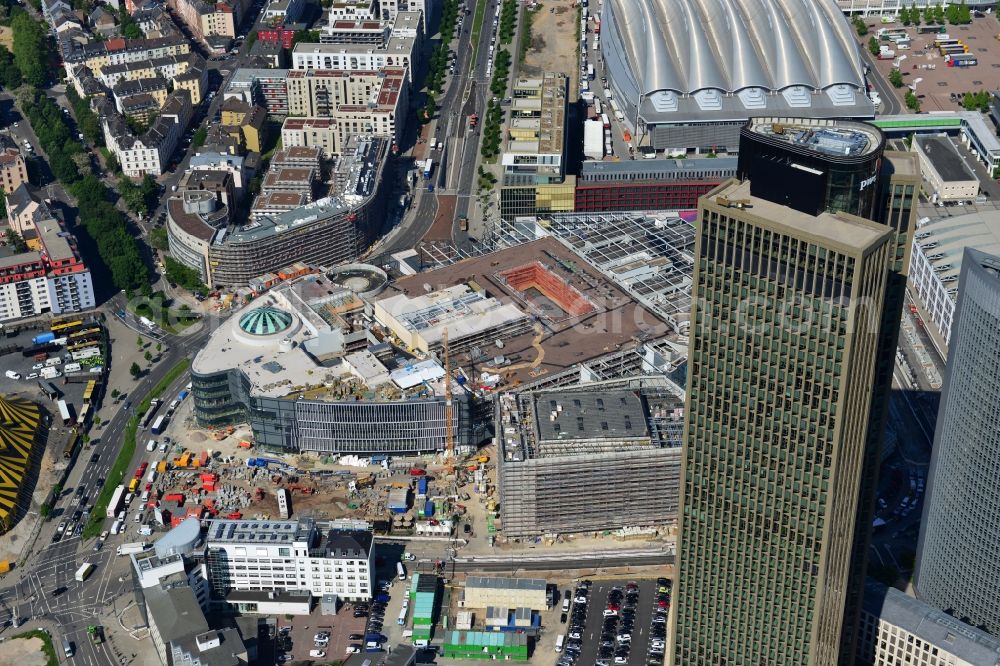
729	45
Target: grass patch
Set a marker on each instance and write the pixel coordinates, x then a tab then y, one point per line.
117	471
47	647
156	308
529	17
477	27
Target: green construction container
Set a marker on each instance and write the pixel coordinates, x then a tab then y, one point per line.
490	645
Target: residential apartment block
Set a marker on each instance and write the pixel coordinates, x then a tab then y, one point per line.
97	55
149	153
51	279
289	556
399	49
210	19
383	116
13	172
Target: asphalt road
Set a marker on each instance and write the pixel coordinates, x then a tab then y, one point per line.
890	102
461	145
55	564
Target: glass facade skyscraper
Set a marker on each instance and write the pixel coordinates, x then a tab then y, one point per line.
789	367
958	560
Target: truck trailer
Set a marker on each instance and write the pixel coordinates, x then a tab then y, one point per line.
117	499
593	140
84	572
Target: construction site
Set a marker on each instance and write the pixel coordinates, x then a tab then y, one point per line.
600	457
218	472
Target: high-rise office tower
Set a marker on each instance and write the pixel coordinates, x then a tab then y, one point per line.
958	560
786	378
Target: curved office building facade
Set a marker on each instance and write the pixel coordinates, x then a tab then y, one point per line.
811	165
329	426
958	560
327	232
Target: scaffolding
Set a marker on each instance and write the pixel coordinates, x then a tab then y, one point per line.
621	469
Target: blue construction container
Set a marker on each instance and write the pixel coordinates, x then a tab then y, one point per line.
428	509
43	338
422	486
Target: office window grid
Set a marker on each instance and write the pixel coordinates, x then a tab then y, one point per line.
768	398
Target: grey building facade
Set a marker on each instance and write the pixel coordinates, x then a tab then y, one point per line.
330	426
958	562
588	458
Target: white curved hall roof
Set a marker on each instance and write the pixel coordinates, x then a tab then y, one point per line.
729	45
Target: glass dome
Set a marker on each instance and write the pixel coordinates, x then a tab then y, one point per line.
265	321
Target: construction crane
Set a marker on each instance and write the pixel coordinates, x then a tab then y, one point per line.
449	409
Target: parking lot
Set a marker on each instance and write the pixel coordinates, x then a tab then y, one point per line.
614	624
296	637
923	66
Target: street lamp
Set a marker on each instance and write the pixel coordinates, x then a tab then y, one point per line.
913	85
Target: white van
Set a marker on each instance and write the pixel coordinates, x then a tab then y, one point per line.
52	362
116	527
560	641
12	375
151	445
145	497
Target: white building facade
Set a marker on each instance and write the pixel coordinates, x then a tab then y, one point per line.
289	555
936	262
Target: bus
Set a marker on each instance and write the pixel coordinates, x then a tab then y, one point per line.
944	40
84	572
930	29
88	393
65	326
85	333
159	424
74	437
560	641
148	416
64	412
84	413
402	616
400	571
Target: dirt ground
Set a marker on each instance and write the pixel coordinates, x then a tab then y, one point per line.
939	81
24	652
554	44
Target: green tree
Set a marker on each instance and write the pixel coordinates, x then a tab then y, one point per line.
181	275
938	14
148	356
200	135
914	14
115	393
30	48
16	241
45	511
873	46
159	347
130	29
158	239
859	26
904	16
135	370
251	39
10	75
912	102
896	78
928	14
139	342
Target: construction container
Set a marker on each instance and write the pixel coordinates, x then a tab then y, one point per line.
174	497
428	509
399	500
488	645
4	566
